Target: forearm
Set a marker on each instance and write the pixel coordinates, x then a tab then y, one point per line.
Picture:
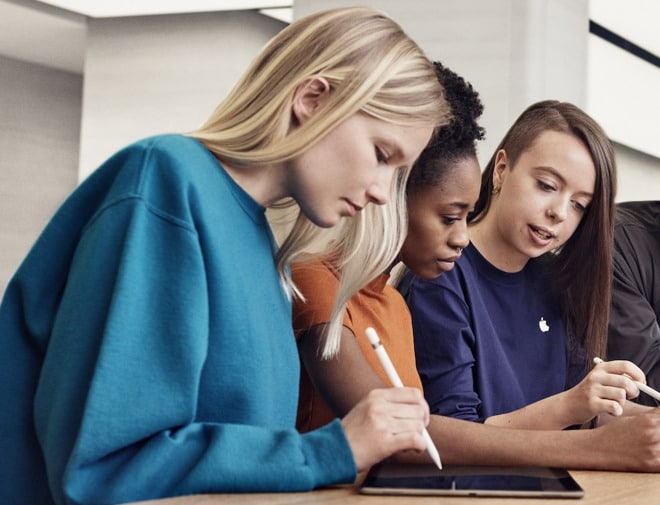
462	442
342	380
471	443
552	413
614	448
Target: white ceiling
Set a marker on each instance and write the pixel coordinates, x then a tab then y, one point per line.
44	36
52	32
120	8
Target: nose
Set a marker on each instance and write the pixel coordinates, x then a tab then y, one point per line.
459	239
379	191
558	211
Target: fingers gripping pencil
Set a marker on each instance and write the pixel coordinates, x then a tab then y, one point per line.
393	376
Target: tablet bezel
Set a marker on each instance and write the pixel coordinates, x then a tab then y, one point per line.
373	481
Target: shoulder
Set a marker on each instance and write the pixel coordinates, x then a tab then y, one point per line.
317	281
162	157
170	151
171	175
638	214
449	289
169	144
637	229
314	275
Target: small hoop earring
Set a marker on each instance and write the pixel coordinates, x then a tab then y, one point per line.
496	190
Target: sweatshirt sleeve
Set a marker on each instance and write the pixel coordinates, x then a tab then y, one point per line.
115	409
444	349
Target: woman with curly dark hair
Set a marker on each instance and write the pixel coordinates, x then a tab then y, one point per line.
442	188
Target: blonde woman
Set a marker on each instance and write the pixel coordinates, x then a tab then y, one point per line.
147	340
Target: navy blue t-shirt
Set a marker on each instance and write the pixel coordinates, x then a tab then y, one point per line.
488	342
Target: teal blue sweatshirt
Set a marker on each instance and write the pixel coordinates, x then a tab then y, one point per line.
147	347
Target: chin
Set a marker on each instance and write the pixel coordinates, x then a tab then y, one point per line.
325	223
536	253
431	273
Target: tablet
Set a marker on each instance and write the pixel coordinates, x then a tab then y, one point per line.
408	479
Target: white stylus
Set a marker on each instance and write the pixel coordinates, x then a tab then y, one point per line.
642	387
396	382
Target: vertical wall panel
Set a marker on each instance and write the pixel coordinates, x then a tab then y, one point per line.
156	74
39	132
639	174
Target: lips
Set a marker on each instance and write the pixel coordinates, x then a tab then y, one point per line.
352	207
542	233
357	207
453	259
446	265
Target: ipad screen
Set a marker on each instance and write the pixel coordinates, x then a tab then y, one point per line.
470	481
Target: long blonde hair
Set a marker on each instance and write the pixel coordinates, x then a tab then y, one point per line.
372	66
360	248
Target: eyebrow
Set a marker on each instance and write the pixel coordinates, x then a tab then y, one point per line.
460	205
556	174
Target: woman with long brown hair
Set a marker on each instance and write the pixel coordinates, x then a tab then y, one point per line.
508	337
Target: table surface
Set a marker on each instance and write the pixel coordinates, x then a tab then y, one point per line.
602	488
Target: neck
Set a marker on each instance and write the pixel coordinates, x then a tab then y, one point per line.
266	184
492	246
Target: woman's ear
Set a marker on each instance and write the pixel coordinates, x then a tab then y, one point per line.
499	170
308	96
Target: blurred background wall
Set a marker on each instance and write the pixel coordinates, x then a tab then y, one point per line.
80	79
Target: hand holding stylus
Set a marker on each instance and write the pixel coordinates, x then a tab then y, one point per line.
393	376
640	385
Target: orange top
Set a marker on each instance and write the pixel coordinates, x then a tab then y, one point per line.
378	305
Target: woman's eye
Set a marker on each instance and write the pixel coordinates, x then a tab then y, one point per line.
545	186
581	207
380	155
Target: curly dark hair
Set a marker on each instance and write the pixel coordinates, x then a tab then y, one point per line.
455	141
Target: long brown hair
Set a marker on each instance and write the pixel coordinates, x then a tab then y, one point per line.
582	269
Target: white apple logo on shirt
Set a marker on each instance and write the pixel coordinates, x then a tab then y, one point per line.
543	325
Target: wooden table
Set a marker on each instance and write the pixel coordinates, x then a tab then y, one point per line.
602	488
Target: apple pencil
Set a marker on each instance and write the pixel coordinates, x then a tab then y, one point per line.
396	382
642	387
